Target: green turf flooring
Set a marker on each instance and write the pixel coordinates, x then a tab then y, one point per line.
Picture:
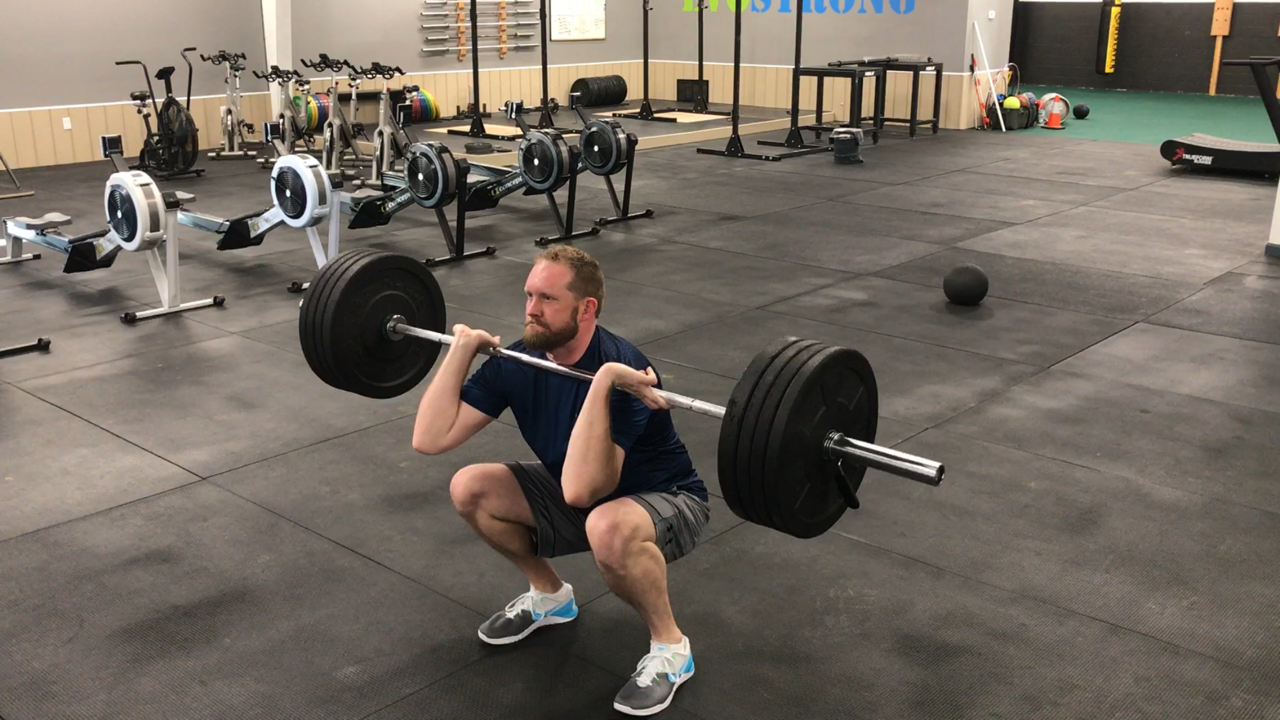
1153	117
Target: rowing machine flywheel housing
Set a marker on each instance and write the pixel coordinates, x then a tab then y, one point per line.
135	210
544	160
431	174
301	190
604	146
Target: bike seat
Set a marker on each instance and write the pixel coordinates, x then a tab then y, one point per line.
140	96
48	221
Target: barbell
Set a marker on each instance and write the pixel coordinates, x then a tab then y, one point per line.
796	437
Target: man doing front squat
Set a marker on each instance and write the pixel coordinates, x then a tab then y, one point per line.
613	477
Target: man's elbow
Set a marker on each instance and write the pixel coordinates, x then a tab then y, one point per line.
581	498
427	446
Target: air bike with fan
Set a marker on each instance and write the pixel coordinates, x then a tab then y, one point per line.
434	178
171	148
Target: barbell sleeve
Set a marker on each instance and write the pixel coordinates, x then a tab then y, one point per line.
837	445
878	457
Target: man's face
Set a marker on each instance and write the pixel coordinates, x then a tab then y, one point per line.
550	308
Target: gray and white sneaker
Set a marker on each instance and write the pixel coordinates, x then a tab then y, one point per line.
653	686
527	613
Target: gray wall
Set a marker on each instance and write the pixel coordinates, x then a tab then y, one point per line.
388	31
77	42
995	32
932	27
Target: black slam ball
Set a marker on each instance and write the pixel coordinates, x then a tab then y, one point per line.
1081	111
965	285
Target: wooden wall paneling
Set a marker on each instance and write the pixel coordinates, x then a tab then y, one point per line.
531	85
670	73
42	131
635	78
763	85
779	88
116	117
462	88
752	80
446	93
503	88
97	128
8	147
64	151
81	138
23	140
808	93
721	83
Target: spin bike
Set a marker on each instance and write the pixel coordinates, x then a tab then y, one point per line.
339	135
390	141
289	128
234	126
171	148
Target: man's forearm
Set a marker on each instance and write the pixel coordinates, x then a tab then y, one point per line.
438	409
591	467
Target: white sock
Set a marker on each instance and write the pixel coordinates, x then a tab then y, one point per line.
562	595
681	649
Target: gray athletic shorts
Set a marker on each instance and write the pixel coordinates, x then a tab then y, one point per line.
561	529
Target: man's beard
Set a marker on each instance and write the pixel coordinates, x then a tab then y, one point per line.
542	339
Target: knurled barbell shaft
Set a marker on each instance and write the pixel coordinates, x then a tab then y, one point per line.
892	461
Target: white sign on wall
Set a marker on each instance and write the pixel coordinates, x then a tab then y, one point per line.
577	19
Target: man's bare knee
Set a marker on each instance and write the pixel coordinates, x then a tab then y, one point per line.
615	530
491	489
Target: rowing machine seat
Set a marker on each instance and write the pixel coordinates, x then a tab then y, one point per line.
48	221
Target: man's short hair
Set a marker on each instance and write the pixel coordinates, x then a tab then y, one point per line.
588	278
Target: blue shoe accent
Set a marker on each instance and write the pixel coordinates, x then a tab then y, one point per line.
567	611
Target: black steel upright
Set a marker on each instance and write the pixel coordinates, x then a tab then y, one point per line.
734	147
477	129
795	140
701	90
545	121
646	111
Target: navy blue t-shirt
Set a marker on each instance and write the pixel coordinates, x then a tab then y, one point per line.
546	406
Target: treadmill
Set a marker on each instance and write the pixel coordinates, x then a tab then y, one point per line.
1207	152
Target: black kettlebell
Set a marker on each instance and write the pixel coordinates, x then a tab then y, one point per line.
966	285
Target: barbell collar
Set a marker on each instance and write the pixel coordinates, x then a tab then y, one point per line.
888	460
878	457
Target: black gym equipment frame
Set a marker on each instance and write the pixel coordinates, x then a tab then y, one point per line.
549	105
702	92
476	112
646	111
795	142
1207	152
161	155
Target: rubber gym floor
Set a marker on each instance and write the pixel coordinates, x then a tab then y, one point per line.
194	526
